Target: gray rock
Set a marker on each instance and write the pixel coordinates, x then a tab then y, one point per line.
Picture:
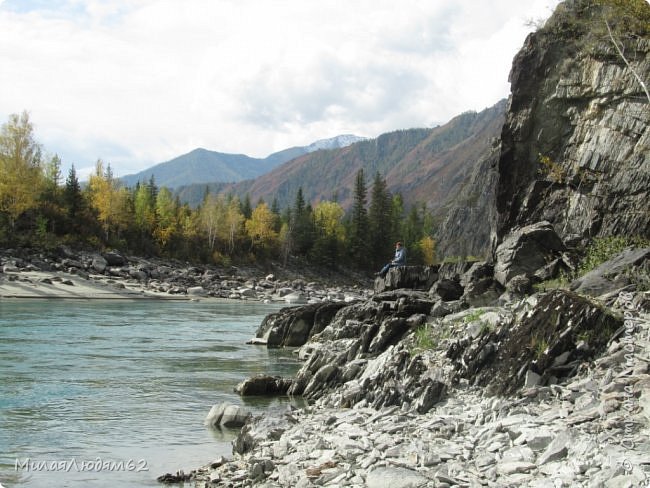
599	186
532	379
113	258
197	291
262	429
434	392
390	330
294	326
138	274
608	276
226	415
99	264
448	290
442	309
295	298
520	285
411	277
556	450
389	477
512	467
525	250
247	292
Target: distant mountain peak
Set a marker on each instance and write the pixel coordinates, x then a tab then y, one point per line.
202	166
336	142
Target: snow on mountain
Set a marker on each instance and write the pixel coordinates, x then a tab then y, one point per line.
343	140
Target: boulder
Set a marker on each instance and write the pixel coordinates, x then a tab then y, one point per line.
138	274
482	292
295	297
448	290
526	250
520	285
295	325
478	271
247	292
256	430
441	309
411	277
113	258
226	415
72	263
197	291
263	385
99	264
394	477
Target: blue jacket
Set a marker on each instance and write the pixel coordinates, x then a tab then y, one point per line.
400	257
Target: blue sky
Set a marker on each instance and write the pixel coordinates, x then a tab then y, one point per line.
138	82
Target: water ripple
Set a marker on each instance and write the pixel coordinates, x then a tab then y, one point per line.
129	380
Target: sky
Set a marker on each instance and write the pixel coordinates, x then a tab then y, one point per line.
139	82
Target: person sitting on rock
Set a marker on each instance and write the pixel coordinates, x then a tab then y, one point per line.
398	260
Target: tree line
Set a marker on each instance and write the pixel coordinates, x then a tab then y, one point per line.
38	208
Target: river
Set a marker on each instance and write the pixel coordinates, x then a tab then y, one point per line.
114	393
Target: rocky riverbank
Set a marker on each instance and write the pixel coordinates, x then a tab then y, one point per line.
415	387
64	273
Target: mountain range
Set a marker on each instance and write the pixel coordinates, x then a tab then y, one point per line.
202	166
426	165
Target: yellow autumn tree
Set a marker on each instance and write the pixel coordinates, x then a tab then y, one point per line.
166	216
260	229
428	247
21	174
110	201
329	216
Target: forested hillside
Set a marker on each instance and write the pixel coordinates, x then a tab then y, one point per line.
426	166
201	166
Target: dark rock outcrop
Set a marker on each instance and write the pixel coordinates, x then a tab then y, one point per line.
447	290
500	357
575	148
263	385
526	250
469	222
410	277
293	326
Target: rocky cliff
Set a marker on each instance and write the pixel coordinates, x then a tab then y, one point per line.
576	142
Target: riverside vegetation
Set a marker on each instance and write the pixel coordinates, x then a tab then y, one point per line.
37	210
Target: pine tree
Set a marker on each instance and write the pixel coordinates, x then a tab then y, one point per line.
303	225
359	223
246	208
72	196
379	220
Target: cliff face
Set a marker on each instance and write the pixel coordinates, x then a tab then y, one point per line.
468	222
576	141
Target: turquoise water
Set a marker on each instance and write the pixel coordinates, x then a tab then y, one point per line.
105	393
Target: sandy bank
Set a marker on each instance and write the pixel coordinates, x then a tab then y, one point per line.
48	285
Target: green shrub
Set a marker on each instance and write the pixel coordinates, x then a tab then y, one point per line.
603	249
424	339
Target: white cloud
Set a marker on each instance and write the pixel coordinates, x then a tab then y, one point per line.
139	82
